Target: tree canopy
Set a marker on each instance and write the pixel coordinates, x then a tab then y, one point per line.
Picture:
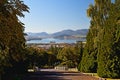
103	39
12	41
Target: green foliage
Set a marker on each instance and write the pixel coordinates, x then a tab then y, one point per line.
36	57
89	56
90	50
42	58
70	56
53	52
109	57
103	40
12	42
91	59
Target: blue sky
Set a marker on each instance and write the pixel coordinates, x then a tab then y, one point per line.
56	15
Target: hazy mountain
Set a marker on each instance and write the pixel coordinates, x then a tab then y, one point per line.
33	36
42	34
81	32
61	34
64	32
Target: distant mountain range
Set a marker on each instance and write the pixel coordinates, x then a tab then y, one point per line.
65	34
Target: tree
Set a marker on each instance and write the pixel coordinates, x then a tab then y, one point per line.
79	47
109	44
90	49
103	43
52	57
12	41
70	56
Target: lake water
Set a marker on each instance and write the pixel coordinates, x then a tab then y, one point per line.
48	40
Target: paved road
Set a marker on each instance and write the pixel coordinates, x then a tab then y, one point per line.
57	75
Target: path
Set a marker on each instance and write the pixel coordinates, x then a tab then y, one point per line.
50	74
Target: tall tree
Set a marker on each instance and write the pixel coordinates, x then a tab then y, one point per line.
99	13
103	45
109	43
11	30
90	50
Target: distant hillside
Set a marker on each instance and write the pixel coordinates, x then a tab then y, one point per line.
81	32
41	35
34	36
67	34
62	33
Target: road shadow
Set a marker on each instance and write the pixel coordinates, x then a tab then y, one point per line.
47	75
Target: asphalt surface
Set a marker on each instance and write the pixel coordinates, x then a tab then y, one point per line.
51	74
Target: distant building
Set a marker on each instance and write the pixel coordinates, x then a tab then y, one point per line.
49	45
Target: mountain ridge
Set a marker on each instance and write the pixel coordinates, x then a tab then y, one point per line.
68	33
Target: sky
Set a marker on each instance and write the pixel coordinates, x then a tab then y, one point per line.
55	15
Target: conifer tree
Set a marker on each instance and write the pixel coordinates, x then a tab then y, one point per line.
103	39
90	50
109	43
99	36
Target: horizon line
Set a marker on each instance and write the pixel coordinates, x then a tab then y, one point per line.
54	31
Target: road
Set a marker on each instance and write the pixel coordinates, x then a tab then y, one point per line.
51	74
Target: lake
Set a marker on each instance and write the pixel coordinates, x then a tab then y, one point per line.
48	40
